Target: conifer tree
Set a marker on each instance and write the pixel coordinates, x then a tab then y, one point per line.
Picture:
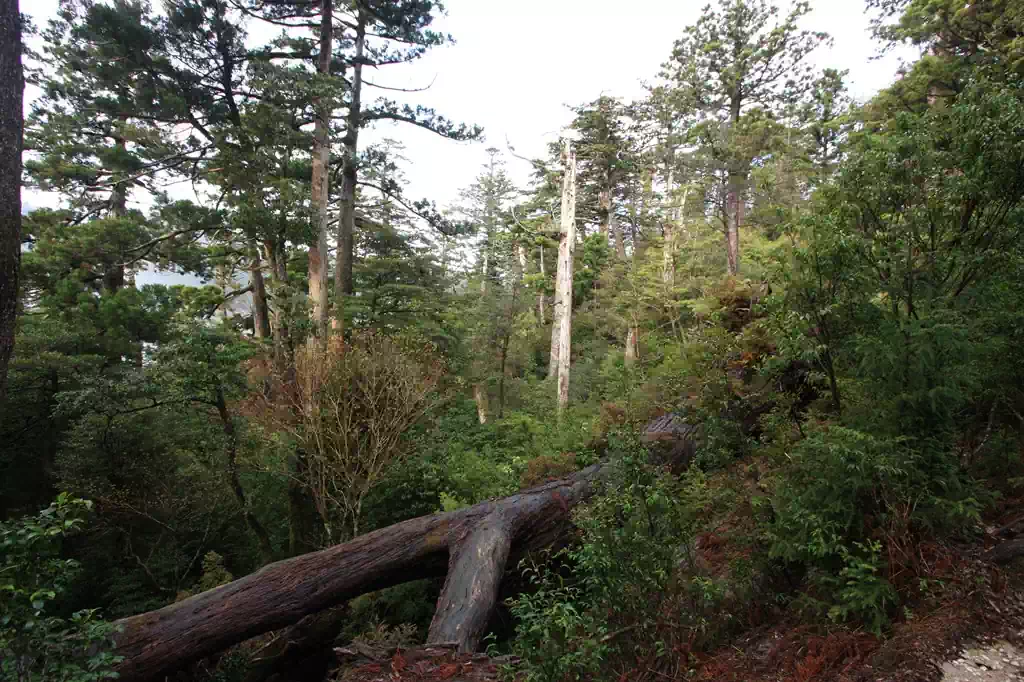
740	64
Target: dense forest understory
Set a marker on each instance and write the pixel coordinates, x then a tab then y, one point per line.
731	390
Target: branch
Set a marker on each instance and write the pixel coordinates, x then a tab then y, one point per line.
386	87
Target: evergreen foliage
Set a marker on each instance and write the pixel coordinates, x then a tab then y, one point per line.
851	395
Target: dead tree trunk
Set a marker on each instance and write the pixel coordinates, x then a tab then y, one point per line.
472	546
563	295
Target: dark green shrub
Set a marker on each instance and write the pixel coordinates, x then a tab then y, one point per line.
38	643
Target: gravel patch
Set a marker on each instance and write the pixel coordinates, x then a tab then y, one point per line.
994	662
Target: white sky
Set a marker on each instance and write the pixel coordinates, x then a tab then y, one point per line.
517	64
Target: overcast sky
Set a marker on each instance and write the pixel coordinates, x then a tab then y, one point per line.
516	65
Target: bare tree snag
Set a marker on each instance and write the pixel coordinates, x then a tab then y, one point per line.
481	541
563	289
631	345
480	397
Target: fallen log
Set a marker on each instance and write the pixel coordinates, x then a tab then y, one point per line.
471	546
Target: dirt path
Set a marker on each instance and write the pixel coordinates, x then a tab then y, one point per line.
994	662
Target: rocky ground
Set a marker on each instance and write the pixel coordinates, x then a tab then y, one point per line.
994	662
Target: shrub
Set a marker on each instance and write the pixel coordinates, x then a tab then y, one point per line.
845	494
627	591
37	643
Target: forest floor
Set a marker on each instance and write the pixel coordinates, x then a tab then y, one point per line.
969	628
966	624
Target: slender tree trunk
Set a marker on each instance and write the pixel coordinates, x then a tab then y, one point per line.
485	271
566	248
480	397
631	345
668	264
733	220
278	315
620	242
510	319
113	279
12	89
501	376
302	515
231	454
540	295
556	326
260	311
604	207
343	282
321	184
734	195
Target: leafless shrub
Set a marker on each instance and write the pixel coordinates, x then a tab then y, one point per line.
356	401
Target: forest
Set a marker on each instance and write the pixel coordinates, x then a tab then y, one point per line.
726	391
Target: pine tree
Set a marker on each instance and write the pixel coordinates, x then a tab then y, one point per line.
603	158
739	65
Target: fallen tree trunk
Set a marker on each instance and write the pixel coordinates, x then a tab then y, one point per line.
472	546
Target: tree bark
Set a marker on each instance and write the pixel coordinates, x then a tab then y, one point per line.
566	248
321	182
733	220
343	283
480	397
12	91
302	651
631	346
278	315
480	540
734	193
540	295
556	326
616	230
604	208
668	265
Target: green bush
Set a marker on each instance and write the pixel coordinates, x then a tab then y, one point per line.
622	586
37	642
844	493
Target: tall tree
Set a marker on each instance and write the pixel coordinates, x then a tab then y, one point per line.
12	88
603	162
563	292
381	33
484	206
738	59
321	179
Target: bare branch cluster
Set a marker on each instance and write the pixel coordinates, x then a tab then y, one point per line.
357	402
